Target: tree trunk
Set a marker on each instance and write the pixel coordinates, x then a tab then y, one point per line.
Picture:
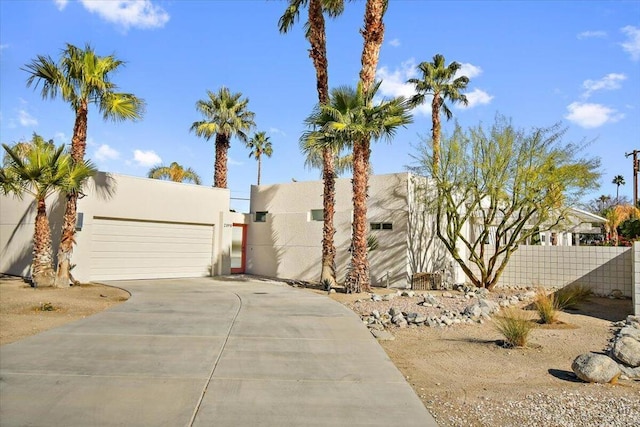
259	161
373	35
220	167
435	119
328	272
42	263
67	238
358	278
318	54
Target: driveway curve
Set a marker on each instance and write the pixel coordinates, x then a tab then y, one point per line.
201	352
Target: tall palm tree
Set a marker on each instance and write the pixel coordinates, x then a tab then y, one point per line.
81	78
439	81
226	115
40	172
354	118
373	35
618	180
174	172
315	33
259	144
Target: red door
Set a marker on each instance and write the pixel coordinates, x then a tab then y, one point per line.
238	248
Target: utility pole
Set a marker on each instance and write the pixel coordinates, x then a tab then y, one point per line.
636	168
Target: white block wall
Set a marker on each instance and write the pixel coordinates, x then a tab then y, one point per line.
636	278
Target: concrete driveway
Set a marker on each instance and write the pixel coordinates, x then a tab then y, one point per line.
205	352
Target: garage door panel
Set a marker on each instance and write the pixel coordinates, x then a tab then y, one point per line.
125	249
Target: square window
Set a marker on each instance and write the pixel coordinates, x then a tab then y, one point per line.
317	214
261	217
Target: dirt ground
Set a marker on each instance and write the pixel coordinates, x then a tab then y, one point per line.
464	377
460	373
26	311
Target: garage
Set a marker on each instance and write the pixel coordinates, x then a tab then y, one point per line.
134	249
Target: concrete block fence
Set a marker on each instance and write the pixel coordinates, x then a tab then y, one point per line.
604	269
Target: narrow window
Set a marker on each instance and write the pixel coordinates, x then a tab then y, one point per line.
317	214
261	217
387	226
375	226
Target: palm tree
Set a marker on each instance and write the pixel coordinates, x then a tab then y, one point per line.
616	216
355	118
259	144
317	39
440	82
618	180
226	115
40	172
174	172
82	78
373	35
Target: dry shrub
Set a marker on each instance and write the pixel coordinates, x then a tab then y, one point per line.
572	295
515	326
547	307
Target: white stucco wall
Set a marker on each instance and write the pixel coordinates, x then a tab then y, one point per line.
289	244
117	197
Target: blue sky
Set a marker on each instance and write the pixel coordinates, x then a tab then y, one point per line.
538	62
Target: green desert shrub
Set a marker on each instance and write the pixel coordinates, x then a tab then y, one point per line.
547	307
572	295
515	326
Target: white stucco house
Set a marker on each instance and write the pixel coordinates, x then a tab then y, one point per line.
139	228
130	228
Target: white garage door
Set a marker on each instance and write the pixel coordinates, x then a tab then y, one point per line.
125	249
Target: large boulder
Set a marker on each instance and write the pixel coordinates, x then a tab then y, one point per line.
627	350
595	368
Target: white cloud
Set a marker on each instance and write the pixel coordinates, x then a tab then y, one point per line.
476	97
234	162
146	158
394	42
25	119
129	13
4	46
609	82
632	44
468	70
592	34
104	153
61	137
61	4
276	131
591	115
394	83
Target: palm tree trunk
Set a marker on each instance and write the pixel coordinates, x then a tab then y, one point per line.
220	167
42	263
358	277
373	35
328	272
435	132
318	54
259	164
67	238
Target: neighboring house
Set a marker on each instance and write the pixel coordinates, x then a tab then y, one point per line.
130	228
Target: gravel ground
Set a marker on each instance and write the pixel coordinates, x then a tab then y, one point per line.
476	383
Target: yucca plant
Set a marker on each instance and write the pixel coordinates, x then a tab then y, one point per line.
547	307
570	296
515	326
